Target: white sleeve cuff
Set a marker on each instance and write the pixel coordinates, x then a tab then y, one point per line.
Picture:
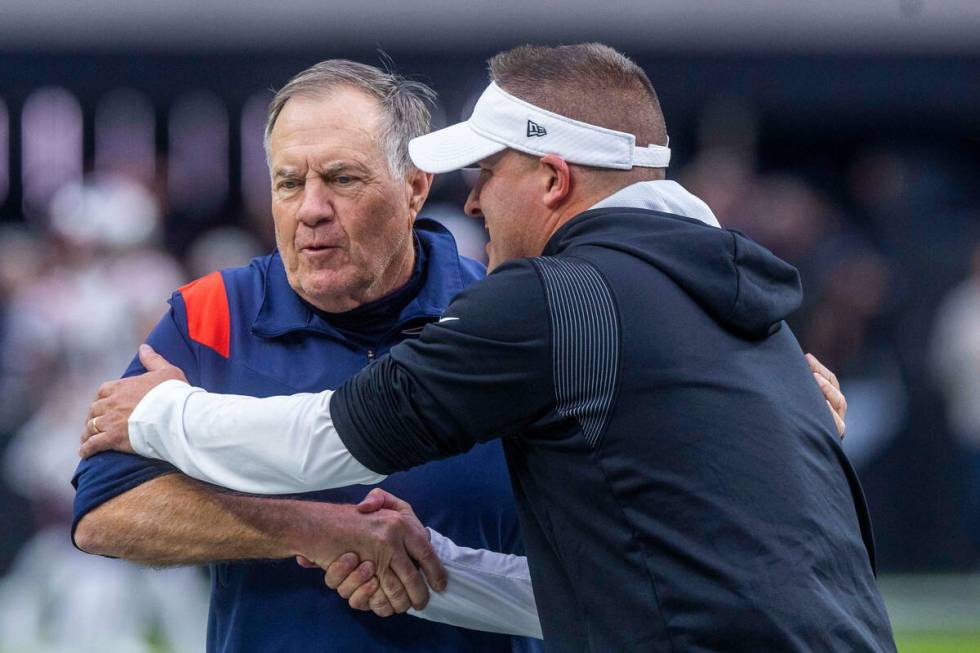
487	591
275	445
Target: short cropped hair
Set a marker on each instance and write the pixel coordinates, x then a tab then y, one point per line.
404	104
590	82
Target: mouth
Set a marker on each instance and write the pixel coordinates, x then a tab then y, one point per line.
319	251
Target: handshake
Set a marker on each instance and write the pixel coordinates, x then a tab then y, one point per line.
378	556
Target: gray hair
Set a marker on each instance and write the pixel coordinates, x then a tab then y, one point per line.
404	104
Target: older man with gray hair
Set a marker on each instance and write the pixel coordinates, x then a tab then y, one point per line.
355	273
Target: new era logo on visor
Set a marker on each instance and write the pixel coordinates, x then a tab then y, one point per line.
534	129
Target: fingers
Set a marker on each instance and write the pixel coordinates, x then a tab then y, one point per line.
94	424
835	401
362	575
373	502
395	591
418	546
416	543
830	387
91	428
380	606
303	561
99	407
95	444
338	570
833	395
410	583
105	389
838	422
377	499
362	597
151	360
818	368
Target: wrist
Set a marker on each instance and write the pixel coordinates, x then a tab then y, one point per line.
156	416
318	530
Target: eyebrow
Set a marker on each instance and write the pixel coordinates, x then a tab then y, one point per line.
490	161
343	166
287	173
329	169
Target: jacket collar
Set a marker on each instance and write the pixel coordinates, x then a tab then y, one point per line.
282	311
665	196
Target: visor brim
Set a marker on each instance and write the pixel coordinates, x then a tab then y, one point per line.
454	147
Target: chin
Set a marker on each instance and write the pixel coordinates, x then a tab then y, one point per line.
325	284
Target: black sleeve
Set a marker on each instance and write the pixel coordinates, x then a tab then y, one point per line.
482	372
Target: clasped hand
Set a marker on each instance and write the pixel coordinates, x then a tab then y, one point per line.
388	565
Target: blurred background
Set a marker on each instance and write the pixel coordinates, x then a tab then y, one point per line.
843	135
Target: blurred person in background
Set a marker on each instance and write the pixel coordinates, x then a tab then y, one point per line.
956	366
72	319
354	274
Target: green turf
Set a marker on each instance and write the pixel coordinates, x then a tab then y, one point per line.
938	642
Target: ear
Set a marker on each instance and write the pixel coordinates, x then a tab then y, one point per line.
418	184
558	180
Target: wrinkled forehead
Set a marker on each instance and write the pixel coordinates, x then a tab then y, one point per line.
341	123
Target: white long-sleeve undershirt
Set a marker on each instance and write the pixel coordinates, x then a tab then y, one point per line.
275	445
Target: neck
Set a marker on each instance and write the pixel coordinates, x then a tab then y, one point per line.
574	205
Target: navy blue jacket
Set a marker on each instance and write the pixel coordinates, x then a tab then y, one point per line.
680	481
245	331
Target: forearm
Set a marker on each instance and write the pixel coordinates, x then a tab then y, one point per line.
273	445
487	591
174	520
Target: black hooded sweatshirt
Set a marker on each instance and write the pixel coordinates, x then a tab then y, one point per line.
679	478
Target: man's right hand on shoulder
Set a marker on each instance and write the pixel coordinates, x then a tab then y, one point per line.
107	426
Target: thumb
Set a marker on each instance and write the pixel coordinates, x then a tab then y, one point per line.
152	360
303	561
374	501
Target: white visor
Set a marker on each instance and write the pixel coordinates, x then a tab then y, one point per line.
501	120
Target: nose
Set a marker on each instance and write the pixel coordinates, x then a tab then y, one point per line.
472	206
317	204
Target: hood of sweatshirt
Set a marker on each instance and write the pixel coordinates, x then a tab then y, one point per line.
742	285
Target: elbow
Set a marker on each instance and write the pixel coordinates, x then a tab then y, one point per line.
91	535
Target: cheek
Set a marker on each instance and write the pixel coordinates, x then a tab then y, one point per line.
285	229
375	231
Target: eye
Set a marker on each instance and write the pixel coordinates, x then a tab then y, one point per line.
287	184
471	176
344	180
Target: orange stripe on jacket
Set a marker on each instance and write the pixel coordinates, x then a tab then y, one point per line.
208	317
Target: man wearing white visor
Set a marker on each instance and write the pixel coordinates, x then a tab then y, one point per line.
679	478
